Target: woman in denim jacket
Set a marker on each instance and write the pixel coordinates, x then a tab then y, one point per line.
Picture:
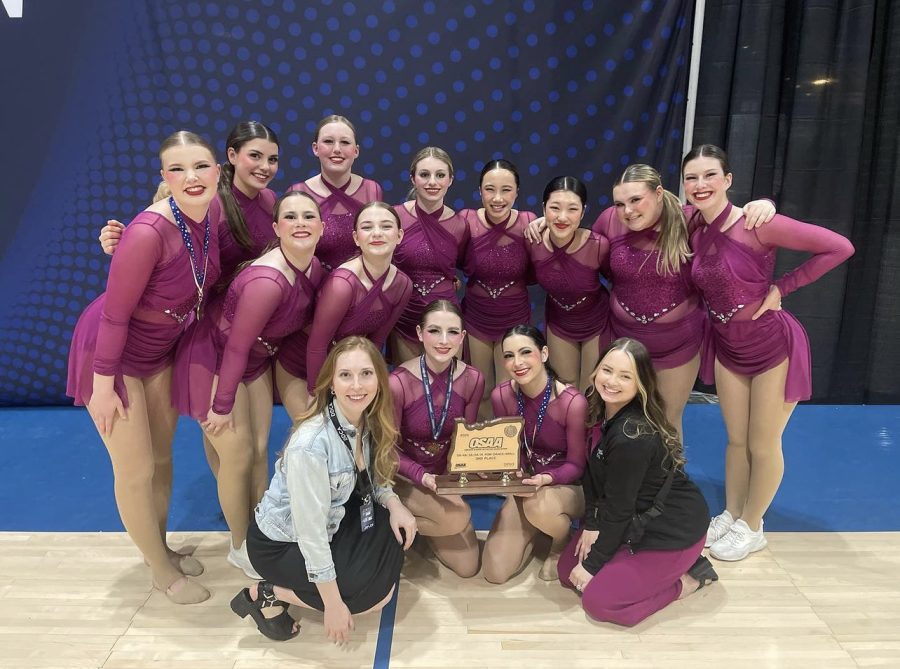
327	535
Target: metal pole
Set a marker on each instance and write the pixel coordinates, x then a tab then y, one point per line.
693	78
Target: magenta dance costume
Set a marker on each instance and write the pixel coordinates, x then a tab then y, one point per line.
258	215
496	264
345	307
240	336
554	438
662	311
733	270
577	304
420	451
339	210
429	254
151	296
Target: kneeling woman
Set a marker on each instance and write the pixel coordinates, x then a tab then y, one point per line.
629	569
553	457
430	392
328	535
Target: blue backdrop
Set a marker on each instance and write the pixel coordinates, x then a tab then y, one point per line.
91	87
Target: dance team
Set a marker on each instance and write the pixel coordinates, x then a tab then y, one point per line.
222	296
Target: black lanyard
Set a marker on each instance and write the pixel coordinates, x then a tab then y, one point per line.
436	427
363	483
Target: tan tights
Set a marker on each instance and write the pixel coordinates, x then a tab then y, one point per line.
140	449
755	415
675	386
487	358
574	361
293	392
445	520
402	349
550	511
241	454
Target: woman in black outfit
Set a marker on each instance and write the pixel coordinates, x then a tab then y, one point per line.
645	522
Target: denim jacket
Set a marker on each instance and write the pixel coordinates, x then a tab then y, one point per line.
313	479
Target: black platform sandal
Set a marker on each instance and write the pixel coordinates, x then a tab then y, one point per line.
702	571
277	628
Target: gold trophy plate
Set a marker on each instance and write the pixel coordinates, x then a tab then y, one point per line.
484	459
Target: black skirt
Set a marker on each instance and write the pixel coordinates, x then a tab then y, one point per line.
367	563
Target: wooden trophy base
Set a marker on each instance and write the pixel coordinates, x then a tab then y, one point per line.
483	484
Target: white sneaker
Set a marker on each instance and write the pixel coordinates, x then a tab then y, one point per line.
739	542
718	527
237	557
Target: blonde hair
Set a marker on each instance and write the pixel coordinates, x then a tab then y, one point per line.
672	243
179	138
335	118
162	192
428	152
378	417
655	421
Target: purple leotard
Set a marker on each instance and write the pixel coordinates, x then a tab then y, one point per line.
577	304
339	210
560	448
496	264
344	307
150	296
258	217
733	270
239	337
662	311
428	254
418	451
291	353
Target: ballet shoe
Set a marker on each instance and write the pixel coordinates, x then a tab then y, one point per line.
189	592
186	564
549	570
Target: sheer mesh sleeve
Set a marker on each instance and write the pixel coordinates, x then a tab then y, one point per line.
829	249
576	444
407	467
476	392
137	255
379	337
256	304
334	300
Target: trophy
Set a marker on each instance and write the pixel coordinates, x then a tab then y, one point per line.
484	459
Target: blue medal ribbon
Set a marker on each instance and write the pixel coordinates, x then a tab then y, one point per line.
542	411
436	427
198	273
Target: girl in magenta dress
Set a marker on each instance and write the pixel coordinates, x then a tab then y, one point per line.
434	241
567	263
762	358
242	209
496	266
552	458
430	392
120	360
223	366
636	458
653	298
366	295
340	195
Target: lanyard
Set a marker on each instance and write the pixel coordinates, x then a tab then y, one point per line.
542	411
429	404
363	482
199	275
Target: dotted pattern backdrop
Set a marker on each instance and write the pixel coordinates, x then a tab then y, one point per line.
580	88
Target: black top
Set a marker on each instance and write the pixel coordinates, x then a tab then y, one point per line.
624	473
